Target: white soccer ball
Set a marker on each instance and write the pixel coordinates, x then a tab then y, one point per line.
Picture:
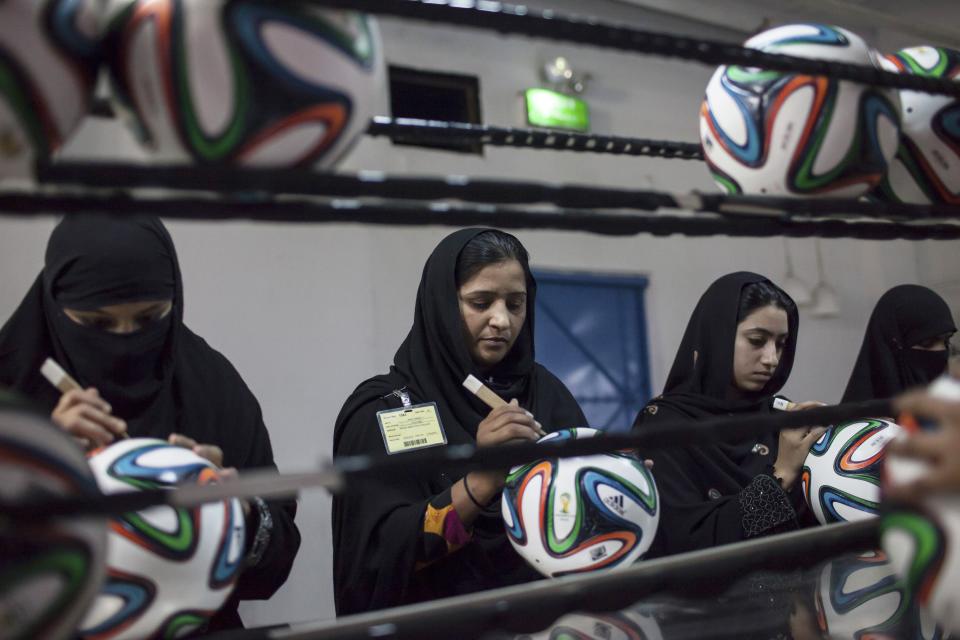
841	474
169	569
572	515
48	61
784	134
926	168
50	570
923	541
253	83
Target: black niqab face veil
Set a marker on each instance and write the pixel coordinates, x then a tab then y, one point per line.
702	372
887	365
93	262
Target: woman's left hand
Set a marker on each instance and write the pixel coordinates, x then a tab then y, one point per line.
214	454
211	452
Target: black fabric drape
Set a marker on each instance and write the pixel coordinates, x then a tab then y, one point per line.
905	315
718	493
190	388
377	533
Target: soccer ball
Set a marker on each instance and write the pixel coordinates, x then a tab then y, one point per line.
168	569
50	570
785	134
48	60
255	83
862	597
926	168
921	540
841	475
571	515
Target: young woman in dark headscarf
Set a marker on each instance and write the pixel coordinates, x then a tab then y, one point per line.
414	539
906	344
736	353
108	306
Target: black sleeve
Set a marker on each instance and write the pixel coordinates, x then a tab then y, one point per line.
696	516
262	580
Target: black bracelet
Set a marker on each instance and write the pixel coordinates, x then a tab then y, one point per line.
466	488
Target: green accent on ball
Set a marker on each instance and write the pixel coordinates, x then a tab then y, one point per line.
20	103
649	499
359	46
215	148
745	75
182	622
728	185
72	564
553	543
178	542
943	61
926	539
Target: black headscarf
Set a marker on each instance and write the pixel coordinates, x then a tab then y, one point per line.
162	379
701	485
905	315
376	534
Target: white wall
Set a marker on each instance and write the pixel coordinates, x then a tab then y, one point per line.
306	312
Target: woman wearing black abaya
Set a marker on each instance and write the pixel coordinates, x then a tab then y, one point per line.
108	306
905	345
414	539
736	353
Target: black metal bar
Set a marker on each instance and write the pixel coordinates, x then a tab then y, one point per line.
415	131
268	182
406	213
520	20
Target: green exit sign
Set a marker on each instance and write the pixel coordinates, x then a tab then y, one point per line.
546	108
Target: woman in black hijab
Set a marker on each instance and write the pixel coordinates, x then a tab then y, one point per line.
905	345
414	539
108	306
736	353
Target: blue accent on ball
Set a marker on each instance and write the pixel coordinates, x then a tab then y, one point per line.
950	121
247	20
830	497
875	106
135	599
592	479
748	153
224	570
64	16
820	446
127	466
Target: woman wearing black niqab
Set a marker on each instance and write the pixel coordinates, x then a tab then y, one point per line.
153	376
905	344
736	353
418	538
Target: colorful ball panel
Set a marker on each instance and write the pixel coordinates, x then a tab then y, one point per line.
571	515
50	571
48	58
841	475
247	82
926	168
169	569
781	134
862	597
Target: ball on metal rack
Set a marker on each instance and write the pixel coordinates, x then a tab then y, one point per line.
787	134
48	61
249	82
926	168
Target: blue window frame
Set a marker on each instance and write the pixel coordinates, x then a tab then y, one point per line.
592	334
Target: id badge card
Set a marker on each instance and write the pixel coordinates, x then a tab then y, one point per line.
411	428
